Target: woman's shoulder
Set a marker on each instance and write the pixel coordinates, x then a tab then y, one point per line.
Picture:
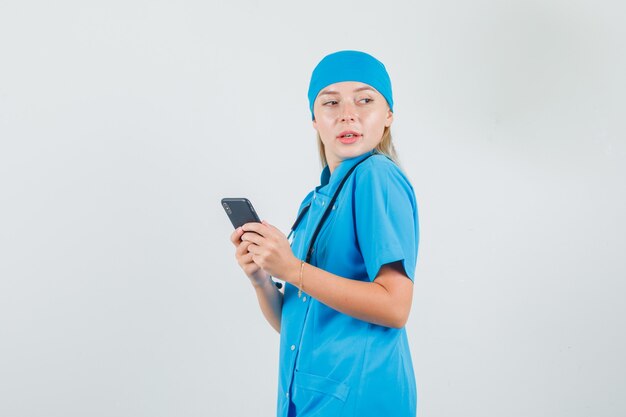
379	168
380	163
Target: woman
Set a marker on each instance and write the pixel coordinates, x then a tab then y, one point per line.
349	269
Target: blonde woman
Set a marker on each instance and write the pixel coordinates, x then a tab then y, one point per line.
349	269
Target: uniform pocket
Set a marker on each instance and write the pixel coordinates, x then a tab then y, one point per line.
317	395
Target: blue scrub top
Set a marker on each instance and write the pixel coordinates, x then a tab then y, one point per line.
332	364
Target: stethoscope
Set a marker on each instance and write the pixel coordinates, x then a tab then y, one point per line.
329	209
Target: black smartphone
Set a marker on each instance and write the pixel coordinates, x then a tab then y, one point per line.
240	211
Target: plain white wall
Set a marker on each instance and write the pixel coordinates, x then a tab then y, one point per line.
122	124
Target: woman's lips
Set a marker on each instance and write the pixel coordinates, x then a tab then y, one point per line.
348	137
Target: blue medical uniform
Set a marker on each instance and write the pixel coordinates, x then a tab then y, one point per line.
332	364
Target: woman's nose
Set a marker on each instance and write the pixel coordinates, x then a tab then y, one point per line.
348	113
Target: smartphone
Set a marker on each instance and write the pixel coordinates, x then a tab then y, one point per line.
240	211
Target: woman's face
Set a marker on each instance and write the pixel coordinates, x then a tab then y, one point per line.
350	118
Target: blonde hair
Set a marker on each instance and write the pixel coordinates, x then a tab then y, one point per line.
384	147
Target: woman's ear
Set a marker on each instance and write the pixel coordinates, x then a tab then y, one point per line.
389	118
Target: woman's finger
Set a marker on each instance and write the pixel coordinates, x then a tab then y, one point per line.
242	249
247	259
253	249
259	228
273	231
244	258
235	237
253	238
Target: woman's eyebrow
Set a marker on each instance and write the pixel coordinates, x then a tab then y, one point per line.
356	90
327	92
365	88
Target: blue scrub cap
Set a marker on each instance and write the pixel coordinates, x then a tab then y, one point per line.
350	66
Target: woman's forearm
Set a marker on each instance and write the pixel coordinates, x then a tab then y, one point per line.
386	301
271	302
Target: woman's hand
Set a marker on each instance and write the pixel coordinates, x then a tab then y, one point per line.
270	250
255	273
270	299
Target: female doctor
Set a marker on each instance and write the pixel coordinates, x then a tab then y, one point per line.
350	267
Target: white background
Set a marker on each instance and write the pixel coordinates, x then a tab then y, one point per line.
123	123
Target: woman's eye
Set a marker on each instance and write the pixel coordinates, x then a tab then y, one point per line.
330	103
365	100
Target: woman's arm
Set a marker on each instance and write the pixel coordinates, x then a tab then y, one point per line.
271	302
269	297
385	301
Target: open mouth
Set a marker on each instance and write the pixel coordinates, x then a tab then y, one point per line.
348	137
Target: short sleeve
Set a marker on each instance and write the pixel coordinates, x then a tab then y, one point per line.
386	218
